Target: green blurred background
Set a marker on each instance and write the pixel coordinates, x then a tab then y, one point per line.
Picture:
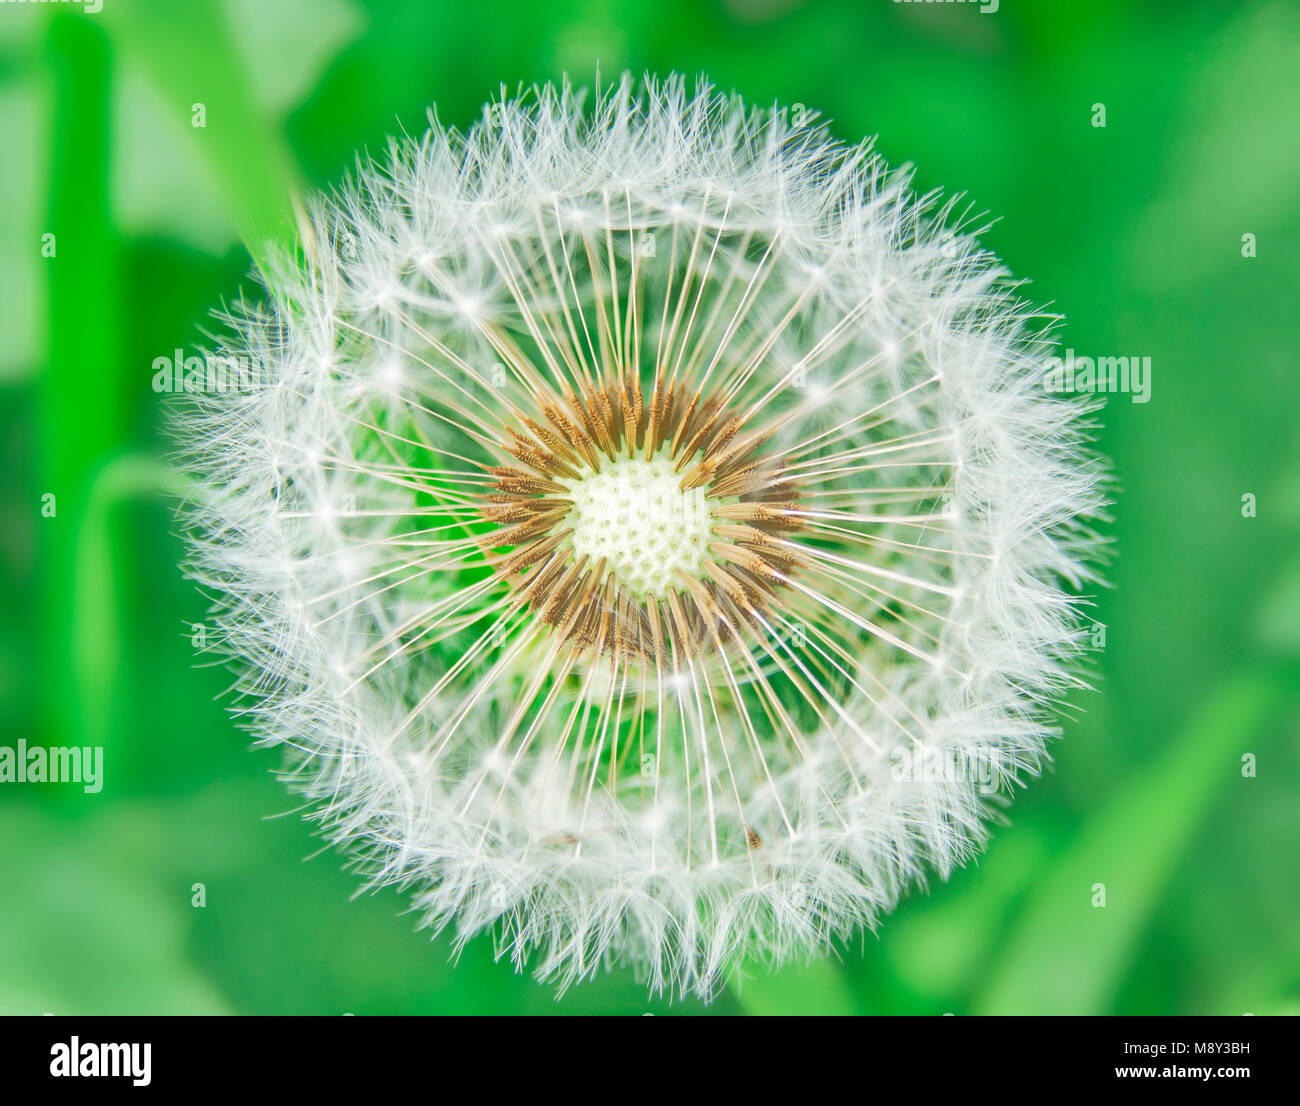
1134	231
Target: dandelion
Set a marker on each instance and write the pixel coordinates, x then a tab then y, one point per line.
634	502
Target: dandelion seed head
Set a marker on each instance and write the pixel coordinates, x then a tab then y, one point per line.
627	485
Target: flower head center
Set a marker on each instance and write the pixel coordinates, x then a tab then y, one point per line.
636	516
640	521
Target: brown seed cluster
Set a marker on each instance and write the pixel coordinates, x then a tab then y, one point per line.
571	434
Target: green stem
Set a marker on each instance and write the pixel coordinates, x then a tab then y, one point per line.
83	390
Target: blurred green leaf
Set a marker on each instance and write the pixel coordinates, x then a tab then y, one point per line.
1066	955
817	988
108	941
193	59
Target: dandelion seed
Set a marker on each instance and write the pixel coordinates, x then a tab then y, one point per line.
657	559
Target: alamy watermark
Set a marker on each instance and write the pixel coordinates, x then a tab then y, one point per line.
981	766
986	7
90	7
104	1060
211	373
1106	375
55	764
